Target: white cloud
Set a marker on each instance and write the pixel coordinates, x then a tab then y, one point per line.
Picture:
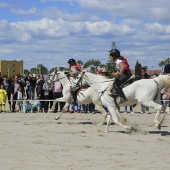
31	11
3	4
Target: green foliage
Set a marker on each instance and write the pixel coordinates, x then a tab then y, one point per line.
93	65
42	69
26	71
110	66
80	62
138	67
60	68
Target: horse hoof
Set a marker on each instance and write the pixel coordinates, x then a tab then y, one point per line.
128	130
56	118
159	126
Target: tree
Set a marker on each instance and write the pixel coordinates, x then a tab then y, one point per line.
34	70
42	69
80	62
93	65
138	68
161	64
26	71
60	68
110	66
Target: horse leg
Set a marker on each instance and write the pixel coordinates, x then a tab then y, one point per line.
115	118
54	104
109	117
157	121
65	108
104	113
122	120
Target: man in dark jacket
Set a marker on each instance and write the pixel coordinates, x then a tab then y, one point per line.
167	68
144	74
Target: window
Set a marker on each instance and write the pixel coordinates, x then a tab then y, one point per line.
13	65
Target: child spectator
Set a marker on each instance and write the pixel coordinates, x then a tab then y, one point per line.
28	107
3	94
36	106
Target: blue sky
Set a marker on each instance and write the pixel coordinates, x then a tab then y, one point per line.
50	32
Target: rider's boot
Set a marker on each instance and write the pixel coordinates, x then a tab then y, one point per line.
121	94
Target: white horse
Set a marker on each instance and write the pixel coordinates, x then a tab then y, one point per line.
146	91
84	96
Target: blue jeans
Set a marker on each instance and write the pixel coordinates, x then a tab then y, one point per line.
31	92
78	107
131	108
85	107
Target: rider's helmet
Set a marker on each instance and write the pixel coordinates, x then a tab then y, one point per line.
115	53
71	61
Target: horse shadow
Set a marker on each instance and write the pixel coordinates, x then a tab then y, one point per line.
93	123
162	133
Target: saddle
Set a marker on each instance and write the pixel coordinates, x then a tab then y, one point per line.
128	82
75	92
112	91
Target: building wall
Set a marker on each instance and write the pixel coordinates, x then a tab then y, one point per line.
11	68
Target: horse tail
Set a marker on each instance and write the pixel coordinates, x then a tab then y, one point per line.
162	81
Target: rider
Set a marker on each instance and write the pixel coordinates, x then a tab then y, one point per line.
123	74
75	71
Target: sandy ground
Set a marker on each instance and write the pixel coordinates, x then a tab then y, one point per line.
35	141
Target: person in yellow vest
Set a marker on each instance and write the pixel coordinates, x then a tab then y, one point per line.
3	94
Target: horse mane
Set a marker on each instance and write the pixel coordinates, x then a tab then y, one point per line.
162	81
100	77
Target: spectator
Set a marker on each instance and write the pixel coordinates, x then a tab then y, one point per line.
166	96
1	80
7	86
144	75
91	108
85	108
131	109
28	107
167	68
37	86
32	81
15	85
41	92
19	96
73	108
57	93
2	98
36	106
46	87
27	88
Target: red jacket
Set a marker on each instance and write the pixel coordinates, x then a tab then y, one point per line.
77	67
126	65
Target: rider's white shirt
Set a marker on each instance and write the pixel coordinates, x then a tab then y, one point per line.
117	63
75	71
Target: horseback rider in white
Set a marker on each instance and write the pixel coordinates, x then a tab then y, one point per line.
122	75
